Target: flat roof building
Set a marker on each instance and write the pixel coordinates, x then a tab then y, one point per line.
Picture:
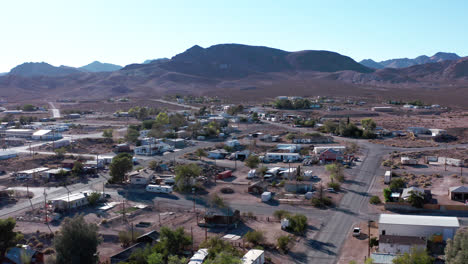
418	225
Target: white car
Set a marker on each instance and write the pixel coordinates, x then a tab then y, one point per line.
356	231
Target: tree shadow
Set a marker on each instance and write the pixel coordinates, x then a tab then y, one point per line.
321	246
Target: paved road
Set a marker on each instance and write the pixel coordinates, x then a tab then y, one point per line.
55	111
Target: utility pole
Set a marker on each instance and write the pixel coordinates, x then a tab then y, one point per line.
132	233
445	159
45	206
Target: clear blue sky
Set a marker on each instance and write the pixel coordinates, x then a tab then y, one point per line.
74	33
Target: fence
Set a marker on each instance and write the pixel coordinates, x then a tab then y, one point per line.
427	207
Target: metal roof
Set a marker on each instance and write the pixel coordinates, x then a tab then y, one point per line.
459	189
419	220
42	132
251	256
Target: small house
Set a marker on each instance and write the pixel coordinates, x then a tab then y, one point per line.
221	217
408	161
437	132
298	187
137	178
217	154
458	193
176	142
277	156
23	254
408	191
319	149
331	155
30	174
418	130
232	143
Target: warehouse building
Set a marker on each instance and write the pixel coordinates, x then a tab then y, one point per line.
418	225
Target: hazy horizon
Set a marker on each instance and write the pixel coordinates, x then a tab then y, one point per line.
120	32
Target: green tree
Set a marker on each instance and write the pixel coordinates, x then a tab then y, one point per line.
184	175
374	200
369	261
155	258
120	165
368	124
336	172
173	242
153	165
8	237
108	133
77	241
418	256
200	153
177	120
216	246
132	135
255	237
416	199
176	260
283	243
29	107
397	184
291	136
78	168
162	119
456	251
252	161
224	258
218	201
60	152
93	198
387	194
280	214
298	223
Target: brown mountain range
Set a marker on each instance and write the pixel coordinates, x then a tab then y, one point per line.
241	71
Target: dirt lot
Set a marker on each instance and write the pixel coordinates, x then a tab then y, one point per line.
111	107
84	146
355	248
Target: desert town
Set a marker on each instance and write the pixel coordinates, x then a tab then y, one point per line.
291	180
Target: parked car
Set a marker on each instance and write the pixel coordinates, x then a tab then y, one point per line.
331	190
356	231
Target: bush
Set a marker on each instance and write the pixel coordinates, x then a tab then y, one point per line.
321	202
397	184
283	243
298	223
387	194
255	237
280	214
335	185
375	200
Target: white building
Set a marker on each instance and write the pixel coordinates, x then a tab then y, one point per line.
436	132
319	149
418	225
7	154
199	256
408	161
29	174
254	256
382	109
45	134
276	156
19	133
74	200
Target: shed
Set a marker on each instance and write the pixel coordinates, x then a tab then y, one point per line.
254	256
458	193
418	225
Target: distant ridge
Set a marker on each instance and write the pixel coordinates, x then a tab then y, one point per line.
405	62
30	69
97	66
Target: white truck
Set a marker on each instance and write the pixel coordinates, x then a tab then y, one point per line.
159	188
